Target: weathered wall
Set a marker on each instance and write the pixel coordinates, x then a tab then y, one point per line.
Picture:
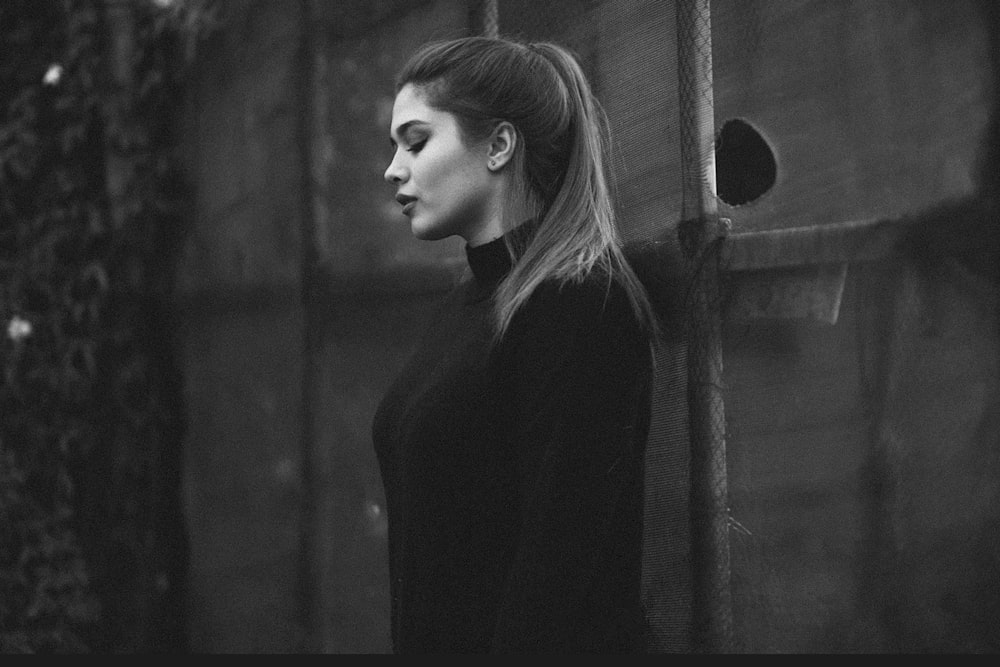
862	451
301	290
863	468
852	447
242	333
872	109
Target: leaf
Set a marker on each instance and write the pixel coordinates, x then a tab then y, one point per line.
95	272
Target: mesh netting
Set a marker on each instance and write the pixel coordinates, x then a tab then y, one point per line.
830	488
701	235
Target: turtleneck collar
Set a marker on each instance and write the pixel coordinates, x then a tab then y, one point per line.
491	262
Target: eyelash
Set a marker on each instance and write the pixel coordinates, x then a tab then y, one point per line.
415	148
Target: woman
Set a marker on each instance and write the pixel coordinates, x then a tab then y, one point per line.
511	446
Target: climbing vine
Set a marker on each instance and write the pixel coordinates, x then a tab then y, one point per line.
91	213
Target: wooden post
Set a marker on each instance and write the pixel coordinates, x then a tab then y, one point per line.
701	234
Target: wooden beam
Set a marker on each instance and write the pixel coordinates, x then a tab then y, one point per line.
854	241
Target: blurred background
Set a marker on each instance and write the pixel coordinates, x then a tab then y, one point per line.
206	286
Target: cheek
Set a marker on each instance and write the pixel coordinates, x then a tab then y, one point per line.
445	178
427	174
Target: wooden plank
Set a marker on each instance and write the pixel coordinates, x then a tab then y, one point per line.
805	292
799	272
851	241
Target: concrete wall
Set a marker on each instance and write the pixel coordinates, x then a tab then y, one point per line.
301	291
242	336
852	443
873	109
863	468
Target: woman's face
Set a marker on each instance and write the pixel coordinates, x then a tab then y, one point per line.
443	184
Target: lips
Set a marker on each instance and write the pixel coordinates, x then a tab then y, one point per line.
407	202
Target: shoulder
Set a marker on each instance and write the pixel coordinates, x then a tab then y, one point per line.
593	298
595	309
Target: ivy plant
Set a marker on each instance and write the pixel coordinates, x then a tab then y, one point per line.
91	210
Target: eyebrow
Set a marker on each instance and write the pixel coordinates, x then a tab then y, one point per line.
401	130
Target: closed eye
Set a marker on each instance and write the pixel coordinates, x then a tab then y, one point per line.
415	148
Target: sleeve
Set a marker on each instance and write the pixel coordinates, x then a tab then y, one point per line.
580	368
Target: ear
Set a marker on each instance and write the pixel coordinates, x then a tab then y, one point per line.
502	144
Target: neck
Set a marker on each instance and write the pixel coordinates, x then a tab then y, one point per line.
504	213
491	231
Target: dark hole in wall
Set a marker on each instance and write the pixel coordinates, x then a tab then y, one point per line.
744	164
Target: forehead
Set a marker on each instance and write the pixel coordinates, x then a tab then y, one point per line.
411	106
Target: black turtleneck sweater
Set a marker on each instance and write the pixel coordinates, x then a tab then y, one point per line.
513	473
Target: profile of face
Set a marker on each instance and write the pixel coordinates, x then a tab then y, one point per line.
445	185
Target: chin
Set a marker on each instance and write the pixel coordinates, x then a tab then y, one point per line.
428	233
423	234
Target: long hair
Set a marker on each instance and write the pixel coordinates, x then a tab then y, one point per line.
558	163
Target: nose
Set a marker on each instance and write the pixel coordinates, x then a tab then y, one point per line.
394	173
